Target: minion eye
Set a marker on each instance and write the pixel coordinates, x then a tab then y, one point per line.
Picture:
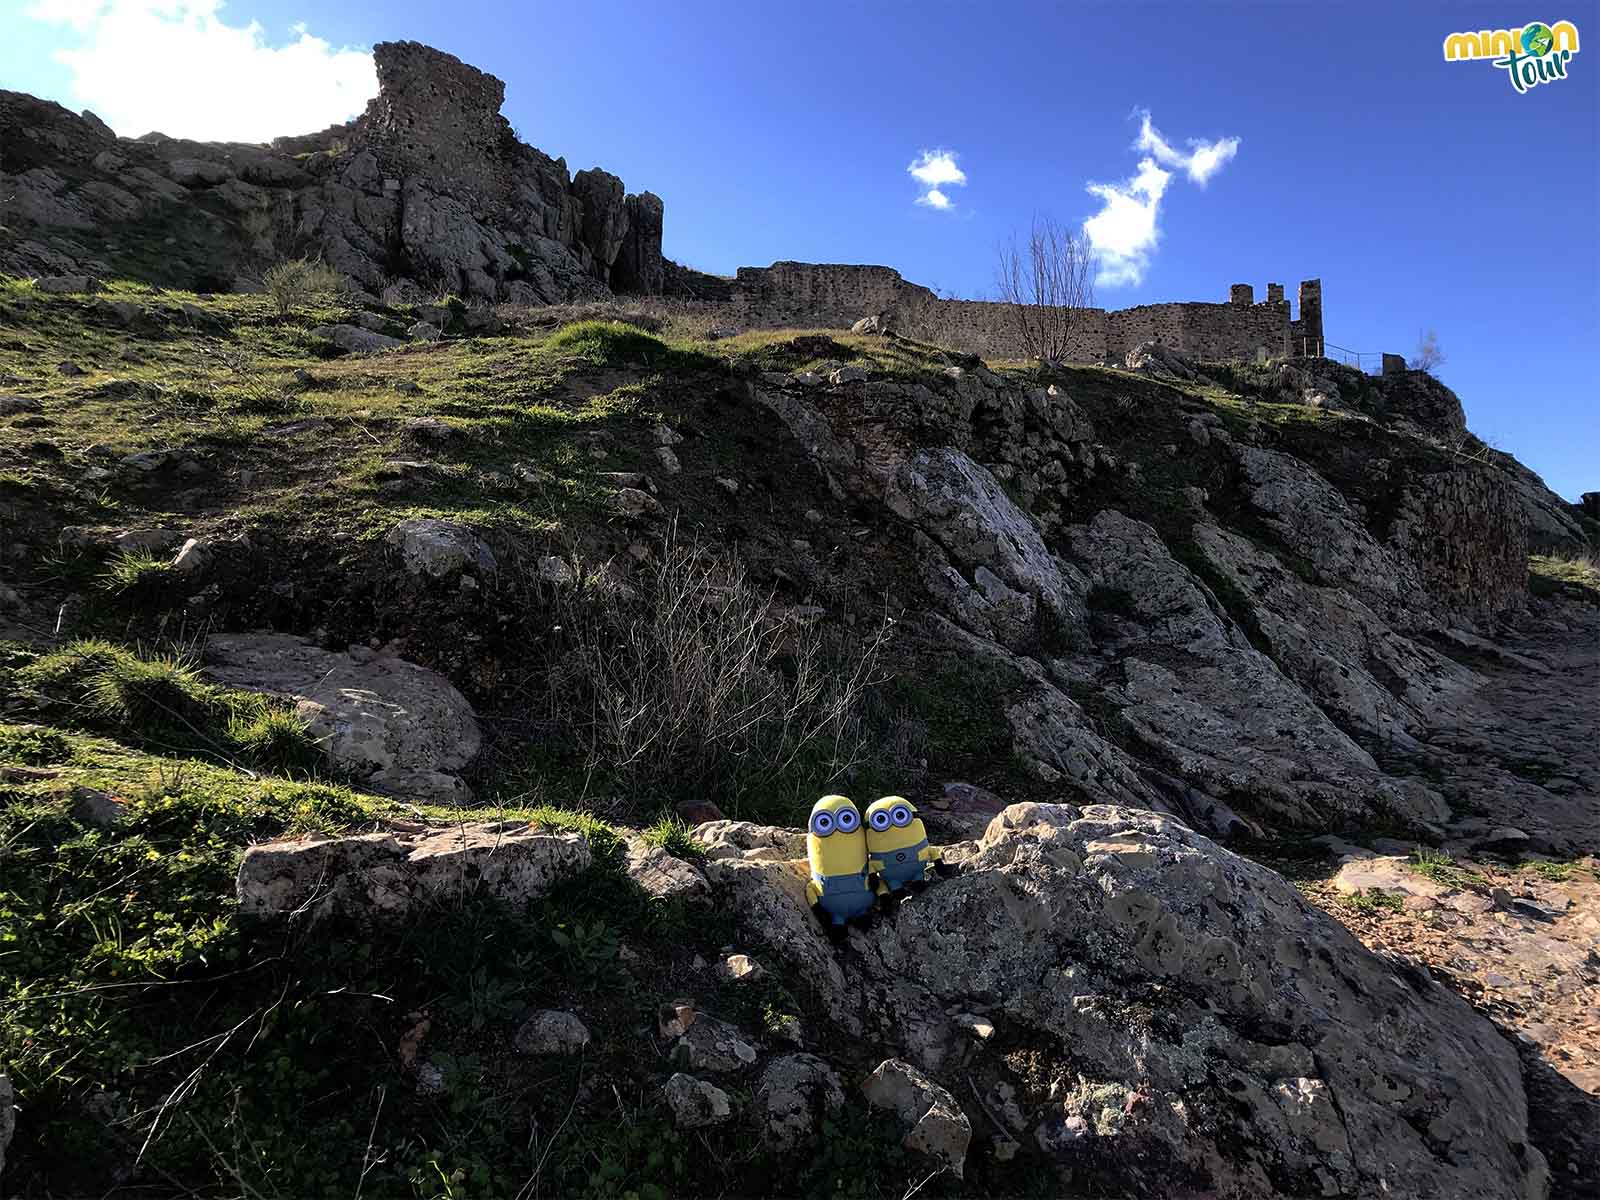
822	824
848	819
901	815
880	820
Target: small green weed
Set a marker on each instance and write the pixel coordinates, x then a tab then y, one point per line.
1440	867
1550	872
33	746
673	836
590	948
1373	901
296	283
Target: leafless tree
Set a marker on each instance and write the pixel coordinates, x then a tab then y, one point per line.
1045	287
1428	355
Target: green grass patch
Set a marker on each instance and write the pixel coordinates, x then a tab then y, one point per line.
1441	868
161	700
127	982
610	344
138	573
1573	575
673	836
1550	872
33	745
1373	901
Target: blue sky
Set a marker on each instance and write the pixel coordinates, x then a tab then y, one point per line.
1423	193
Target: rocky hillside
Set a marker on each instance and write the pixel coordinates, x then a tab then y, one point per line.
409	711
428	192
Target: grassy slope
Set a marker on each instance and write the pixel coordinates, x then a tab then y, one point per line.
127	979
124	976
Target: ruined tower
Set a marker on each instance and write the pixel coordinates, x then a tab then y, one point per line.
1305	334
436	117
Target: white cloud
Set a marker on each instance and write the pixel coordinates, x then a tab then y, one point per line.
936	170
1125	232
1203	161
176	66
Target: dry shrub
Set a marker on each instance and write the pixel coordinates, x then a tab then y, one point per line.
699	685
299	281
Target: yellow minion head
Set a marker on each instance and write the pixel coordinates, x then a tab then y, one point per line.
834	838
892	824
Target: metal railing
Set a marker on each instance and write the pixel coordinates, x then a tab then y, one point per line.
1363	360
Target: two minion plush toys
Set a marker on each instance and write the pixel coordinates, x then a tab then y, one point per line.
854	860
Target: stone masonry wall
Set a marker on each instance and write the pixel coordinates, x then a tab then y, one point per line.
836	296
439	118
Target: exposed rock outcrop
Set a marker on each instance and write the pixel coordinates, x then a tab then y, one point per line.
430	169
384	875
388	723
1217	709
1202	1021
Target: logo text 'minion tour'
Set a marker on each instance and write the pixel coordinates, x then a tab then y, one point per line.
1537	53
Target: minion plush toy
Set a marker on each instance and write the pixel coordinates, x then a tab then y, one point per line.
897	844
838	852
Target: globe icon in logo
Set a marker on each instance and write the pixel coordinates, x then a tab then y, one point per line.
1537	39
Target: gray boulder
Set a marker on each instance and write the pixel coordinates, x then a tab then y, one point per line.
605	216
1332	644
741	839
1159	362
436	548
661	876
795	1093
1193	689
1215	1030
62	285
1312	519
715	1046
552	1032
389	724
964	512
768	900
379	875
1320	1060
354	339
934	1122
639	266
696	1103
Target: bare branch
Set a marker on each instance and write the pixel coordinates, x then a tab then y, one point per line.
1046	287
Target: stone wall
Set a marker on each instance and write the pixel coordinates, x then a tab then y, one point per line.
439	118
836	296
1468	532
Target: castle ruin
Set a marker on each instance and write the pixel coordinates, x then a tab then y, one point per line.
836	296
430	189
